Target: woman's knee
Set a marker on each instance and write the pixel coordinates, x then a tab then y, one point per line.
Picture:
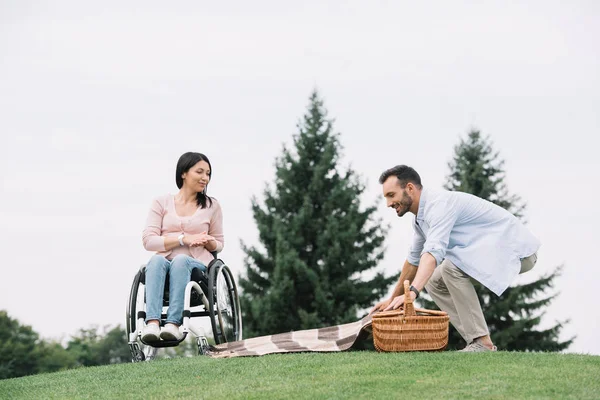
157	262
180	261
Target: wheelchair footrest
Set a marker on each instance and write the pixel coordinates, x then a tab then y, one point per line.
137	354
203	346
165	343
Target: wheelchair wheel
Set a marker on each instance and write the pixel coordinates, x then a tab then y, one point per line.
139	351
131	304
224	304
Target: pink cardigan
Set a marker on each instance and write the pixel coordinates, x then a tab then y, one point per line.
163	221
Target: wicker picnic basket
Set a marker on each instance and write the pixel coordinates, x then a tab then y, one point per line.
410	329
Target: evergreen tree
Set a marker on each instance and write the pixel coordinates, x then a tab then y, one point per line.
477	169
513	317
316	240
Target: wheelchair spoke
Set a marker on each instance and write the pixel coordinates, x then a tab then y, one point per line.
224	305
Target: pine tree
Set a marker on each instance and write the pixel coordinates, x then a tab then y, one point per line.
317	243
513	317
477	169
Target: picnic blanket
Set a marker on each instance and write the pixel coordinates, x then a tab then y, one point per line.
333	338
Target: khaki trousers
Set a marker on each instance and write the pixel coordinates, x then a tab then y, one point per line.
453	292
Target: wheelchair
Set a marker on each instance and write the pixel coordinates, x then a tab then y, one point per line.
211	293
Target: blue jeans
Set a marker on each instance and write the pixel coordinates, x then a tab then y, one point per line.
179	270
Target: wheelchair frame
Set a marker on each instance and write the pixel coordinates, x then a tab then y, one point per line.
214	296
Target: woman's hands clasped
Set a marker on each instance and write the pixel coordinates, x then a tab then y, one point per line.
198	240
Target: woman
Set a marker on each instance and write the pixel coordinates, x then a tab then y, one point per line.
183	230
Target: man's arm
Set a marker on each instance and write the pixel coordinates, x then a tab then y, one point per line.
408	272
427	265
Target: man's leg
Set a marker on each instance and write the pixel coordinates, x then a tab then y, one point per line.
528	263
467	305
437	289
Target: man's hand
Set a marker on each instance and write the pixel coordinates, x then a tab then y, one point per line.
395	303
398	301
380	306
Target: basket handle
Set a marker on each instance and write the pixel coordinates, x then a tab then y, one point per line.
409	307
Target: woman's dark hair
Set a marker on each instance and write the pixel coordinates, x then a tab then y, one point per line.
404	174
185	163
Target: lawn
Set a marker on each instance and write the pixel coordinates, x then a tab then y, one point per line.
355	374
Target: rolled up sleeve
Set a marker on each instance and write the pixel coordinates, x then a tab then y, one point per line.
151	236
441	219
414	253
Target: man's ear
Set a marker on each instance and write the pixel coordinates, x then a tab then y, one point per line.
410	187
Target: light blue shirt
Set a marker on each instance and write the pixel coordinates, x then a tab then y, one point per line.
482	239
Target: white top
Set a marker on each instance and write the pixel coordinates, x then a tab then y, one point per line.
482	239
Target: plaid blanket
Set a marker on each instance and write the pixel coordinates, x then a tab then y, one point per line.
334	338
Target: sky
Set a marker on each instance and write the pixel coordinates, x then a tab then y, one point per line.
99	100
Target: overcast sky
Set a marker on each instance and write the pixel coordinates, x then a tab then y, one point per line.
98	101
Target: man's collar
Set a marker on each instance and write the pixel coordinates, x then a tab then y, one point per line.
422	200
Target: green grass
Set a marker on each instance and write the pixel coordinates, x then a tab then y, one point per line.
359	374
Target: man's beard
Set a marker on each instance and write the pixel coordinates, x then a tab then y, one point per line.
405	204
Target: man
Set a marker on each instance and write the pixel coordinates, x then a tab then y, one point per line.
457	236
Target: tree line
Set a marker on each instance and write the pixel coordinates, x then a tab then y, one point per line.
317	261
23	352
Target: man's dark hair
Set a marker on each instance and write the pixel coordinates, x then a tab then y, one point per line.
404	174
